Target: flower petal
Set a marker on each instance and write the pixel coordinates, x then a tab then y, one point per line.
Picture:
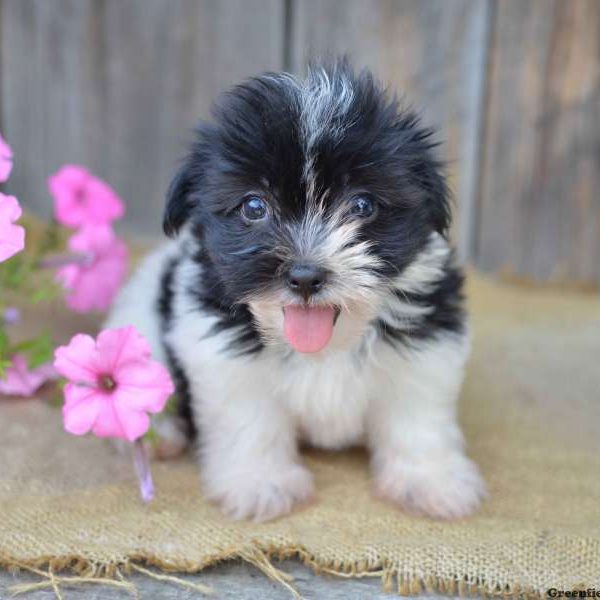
64	186
134	423
12	242
68	276
94	239
12	237
104	205
12	315
19	380
81	409
144	386
119	421
93	285
81	198
120	346
15	382
88	290
78	360
10	209
107	424
6	160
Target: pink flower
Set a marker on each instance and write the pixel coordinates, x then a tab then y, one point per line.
113	384
12	237
6	159
20	381
80	198
11	316
95	276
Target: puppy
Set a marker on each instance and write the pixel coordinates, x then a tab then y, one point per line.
310	296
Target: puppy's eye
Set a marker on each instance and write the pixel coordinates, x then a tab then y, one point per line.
362	206
254	208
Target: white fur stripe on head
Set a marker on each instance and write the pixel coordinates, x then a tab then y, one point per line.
427	268
324	99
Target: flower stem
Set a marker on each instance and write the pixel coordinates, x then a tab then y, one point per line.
56	261
142	468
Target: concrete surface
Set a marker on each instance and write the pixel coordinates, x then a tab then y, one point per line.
233	580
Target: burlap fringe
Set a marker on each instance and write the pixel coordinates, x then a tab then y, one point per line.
405	584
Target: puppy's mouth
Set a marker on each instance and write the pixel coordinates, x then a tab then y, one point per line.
309	328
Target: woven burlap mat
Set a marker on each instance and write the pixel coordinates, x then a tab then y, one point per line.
531	414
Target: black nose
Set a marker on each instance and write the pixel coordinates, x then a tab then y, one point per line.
306	279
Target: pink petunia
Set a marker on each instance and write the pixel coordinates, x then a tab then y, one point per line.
6	160
95	278
11	316
18	380
81	198
12	237
113	384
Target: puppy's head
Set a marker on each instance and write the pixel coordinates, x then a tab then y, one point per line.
308	198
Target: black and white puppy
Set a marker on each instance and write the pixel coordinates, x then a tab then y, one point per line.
310	296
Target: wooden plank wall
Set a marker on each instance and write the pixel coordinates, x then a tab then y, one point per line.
513	85
540	181
431	53
118	84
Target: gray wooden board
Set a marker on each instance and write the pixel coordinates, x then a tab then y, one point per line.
432	53
117	85
540	206
231	580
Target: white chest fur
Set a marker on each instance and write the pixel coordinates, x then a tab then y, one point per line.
324	397
327	397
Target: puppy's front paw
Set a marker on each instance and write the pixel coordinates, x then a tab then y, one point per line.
261	494
449	488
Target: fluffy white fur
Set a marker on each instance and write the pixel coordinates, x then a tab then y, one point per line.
253	411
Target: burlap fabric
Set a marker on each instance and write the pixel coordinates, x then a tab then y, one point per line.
530	410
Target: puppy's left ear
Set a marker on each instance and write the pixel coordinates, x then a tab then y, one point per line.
179	202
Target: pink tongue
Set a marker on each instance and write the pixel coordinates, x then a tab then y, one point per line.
308	329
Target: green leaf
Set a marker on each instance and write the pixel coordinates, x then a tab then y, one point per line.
4	341
48	292
56	400
38	350
4	364
14	272
171	407
50	240
152	437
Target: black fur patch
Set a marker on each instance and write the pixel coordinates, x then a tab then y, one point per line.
210	295
448	314
165	310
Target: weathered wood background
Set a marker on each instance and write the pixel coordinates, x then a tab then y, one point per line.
514	86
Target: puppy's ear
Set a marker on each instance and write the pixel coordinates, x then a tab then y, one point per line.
429	173
439	197
418	147
179	203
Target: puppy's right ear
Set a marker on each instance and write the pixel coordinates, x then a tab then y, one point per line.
179	203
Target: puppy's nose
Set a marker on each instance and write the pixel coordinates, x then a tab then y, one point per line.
306	280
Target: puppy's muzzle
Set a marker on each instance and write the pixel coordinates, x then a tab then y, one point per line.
306	280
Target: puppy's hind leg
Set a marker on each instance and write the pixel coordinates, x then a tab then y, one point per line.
417	448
